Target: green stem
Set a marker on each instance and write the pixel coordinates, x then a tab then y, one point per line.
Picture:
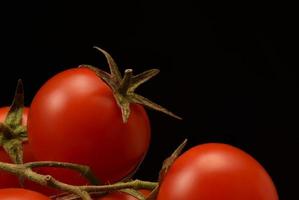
83	191
82	169
135	184
22	170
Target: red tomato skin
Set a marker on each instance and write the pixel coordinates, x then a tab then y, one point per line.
21	194
75	118
7	179
4	111
216	171
122	196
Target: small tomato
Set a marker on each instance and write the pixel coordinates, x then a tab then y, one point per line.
21	194
216	171
75	118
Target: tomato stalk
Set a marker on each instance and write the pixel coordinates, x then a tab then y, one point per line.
167	163
84	192
25	171
82	169
124	87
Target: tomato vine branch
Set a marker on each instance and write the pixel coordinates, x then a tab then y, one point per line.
82	169
84	191
25	171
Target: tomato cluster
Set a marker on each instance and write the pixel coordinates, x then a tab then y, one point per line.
78	117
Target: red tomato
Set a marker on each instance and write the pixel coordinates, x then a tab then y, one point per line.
21	194
7	179
75	118
122	196
217	172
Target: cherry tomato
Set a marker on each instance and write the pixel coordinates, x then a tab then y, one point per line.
75	118
122	196
7	179
217	171
21	194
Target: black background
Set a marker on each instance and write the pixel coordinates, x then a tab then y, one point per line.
228	71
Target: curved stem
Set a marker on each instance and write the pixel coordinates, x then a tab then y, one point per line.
22	170
103	189
82	169
25	171
135	184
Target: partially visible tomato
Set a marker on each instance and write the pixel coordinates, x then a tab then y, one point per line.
122	196
7	179
21	194
4	111
217	172
75	118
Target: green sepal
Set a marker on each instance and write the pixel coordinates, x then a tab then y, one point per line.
14	116
124	87
167	163
14	149
12	132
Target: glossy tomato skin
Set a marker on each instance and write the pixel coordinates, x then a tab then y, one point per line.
21	194
217	172
122	196
7	179
74	118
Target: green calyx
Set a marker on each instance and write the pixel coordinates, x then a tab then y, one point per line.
123	87
12	132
